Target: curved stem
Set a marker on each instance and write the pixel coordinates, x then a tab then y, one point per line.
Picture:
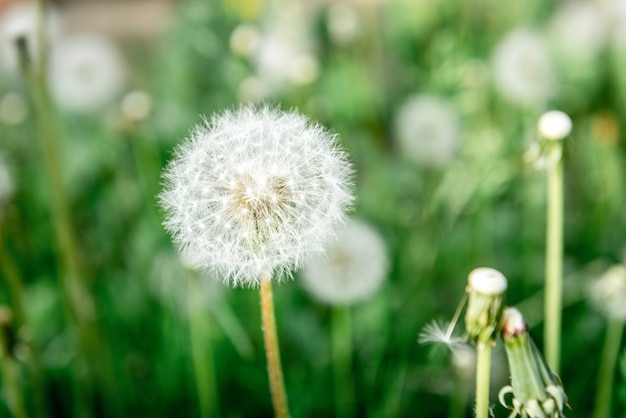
483	370
554	259
606	375
274	369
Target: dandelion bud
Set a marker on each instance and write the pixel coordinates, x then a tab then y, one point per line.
485	289
537	391
254	192
555	125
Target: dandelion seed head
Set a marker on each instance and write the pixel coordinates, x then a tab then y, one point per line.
608	292
579	29
428	130
523	68
86	72
352	269
254	192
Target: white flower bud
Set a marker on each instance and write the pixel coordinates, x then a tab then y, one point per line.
554	125
487	281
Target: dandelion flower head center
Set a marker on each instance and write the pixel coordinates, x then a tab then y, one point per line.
258	201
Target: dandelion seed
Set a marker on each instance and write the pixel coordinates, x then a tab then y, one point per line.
441	333
255	192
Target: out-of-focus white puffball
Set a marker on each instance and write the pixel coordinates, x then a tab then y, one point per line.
428	130
86	73
523	68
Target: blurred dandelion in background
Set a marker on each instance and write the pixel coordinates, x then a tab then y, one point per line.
608	292
523	69
352	269
86	72
428	130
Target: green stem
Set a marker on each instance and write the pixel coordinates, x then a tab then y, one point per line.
554	259
82	307
342	361
201	352
14	281
270	337
16	289
483	370
10	373
606	375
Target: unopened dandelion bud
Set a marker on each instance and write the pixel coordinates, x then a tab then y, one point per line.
555	125
537	391
485	289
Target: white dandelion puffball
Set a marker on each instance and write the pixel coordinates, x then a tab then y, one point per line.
554	125
86	72
352	269
523	68
579	29
428	130
253	192
608	293
20	20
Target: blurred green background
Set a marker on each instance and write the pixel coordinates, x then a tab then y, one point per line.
353	65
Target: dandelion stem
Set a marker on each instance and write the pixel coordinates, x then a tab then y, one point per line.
483	370
200	336
16	289
14	281
606	375
554	258
342	361
81	304
274	369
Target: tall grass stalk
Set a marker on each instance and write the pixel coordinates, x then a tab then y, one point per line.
82	307
608	360
554	258
270	337
342	361
15	283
